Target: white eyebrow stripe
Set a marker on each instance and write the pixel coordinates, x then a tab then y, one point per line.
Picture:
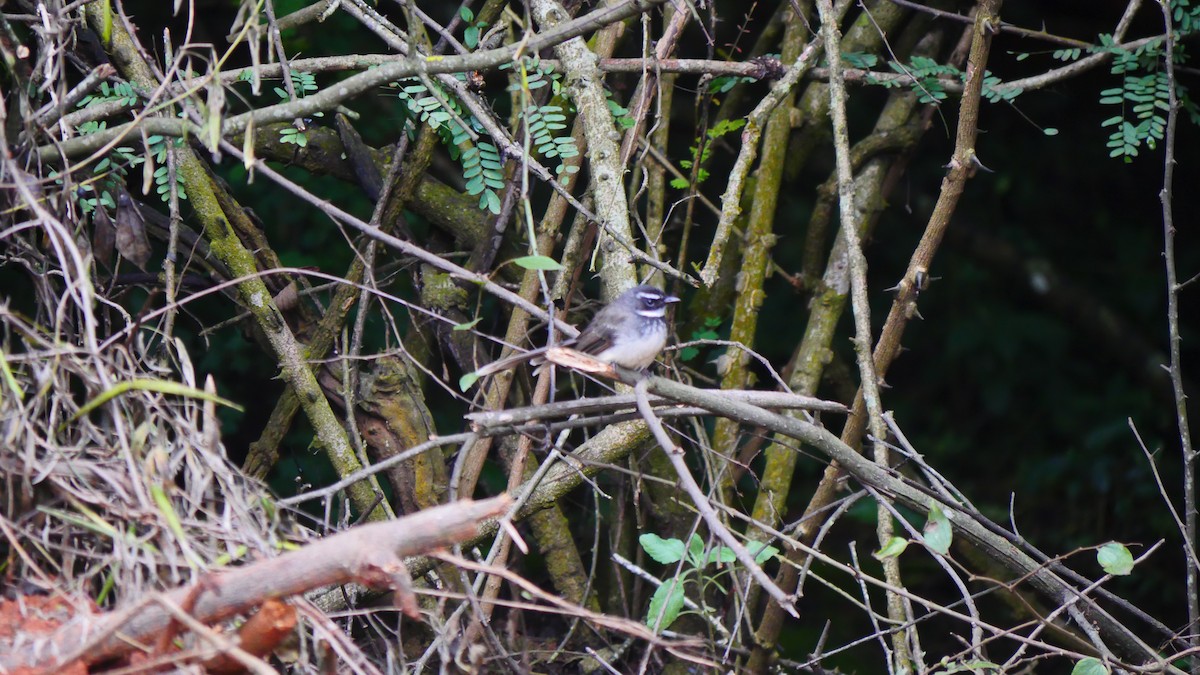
647	295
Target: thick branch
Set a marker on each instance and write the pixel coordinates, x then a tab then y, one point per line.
368	554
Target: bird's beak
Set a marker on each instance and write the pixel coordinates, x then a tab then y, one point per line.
670	298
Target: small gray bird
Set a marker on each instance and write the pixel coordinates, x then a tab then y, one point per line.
630	332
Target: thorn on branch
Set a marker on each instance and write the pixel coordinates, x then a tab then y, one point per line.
978	164
920	279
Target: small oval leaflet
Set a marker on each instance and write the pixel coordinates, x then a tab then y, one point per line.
665	605
538	262
1089	666
937	532
1115	559
665	551
893	549
465	382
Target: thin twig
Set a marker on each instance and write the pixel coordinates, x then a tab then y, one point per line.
618	402
700	500
1192	583
861	310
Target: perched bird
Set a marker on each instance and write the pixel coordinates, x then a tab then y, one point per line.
630	332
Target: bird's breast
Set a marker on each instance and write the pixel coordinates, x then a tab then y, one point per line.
636	353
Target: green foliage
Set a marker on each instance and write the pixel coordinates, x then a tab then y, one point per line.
1144	94
304	84
927	80
1089	666
1143	97
893	549
482	168
110	172
534	75
538	262
1185	17
465	382
937	532
926	74
994	90
719	129
1115	559
723	84
544	122
481	162
1067	55
706	332
293	135
860	60
119	91
668	600
484	173
429	110
473	31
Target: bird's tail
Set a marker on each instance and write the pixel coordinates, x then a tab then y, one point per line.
511	362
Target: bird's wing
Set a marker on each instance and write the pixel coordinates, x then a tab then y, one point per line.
598	335
594	340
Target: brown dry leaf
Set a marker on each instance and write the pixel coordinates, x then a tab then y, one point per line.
288	298
131	233
104	236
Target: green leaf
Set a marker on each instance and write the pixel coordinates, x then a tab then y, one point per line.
1115	559
168	510
491	202
937	532
465	382
538	262
468	325
159	386
665	605
763	555
720	554
665	551
696	551
892	549
725	126
1089	666
10	380
860	60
